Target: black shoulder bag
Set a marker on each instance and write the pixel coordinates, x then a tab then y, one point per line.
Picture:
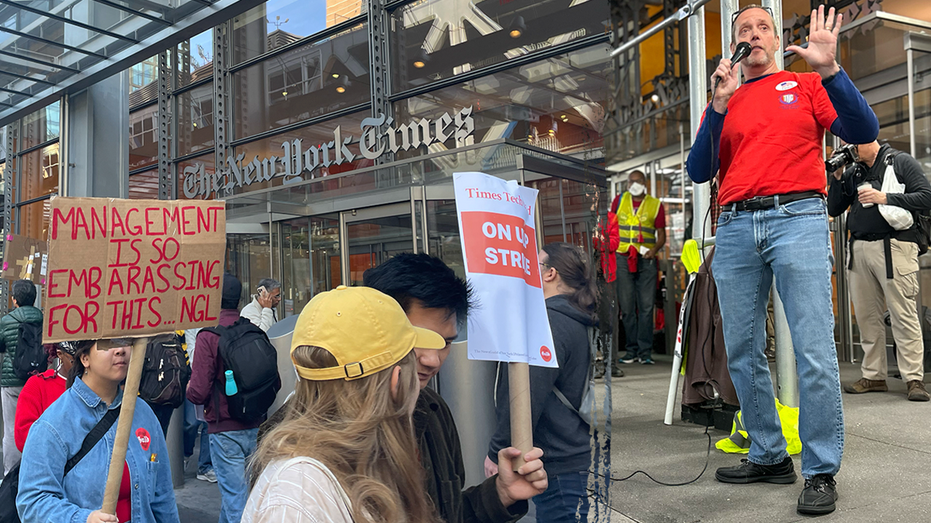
10	486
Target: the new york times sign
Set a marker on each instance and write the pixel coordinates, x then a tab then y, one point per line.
295	159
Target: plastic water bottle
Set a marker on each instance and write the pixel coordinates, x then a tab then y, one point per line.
231	389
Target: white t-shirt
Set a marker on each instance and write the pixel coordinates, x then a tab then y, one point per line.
299	490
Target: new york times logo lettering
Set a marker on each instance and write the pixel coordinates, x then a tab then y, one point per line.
378	138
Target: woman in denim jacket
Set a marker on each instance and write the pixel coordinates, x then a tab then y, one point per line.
146	494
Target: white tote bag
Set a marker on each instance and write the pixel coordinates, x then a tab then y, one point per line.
899	218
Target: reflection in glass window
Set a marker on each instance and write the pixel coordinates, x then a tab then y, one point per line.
305	82
41	126
280	22
39	172
144	186
34	220
143	81
143	142
435	39
557	104
195	58
195	120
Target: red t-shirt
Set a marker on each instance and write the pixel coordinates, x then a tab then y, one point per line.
124	500
771	142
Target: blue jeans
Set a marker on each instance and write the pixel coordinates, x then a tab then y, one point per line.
792	243
193	426
230	452
565	499
636	294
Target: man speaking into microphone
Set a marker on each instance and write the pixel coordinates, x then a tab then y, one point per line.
765	138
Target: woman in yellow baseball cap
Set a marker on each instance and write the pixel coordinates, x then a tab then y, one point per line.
345	451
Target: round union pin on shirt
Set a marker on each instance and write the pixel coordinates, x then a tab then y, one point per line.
785	86
143	436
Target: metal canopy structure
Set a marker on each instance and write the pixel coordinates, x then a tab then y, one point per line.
49	48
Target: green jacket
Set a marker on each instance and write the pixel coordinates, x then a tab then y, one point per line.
9	335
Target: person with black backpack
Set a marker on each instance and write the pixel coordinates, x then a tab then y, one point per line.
235	377
21	343
883	255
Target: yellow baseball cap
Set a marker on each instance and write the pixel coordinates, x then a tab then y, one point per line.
366	330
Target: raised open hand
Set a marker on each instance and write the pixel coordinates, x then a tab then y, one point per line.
822	42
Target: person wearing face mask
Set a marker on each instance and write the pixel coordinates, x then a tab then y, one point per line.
883	263
642	228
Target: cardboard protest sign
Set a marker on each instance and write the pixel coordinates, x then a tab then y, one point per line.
25	259
132	267
496	224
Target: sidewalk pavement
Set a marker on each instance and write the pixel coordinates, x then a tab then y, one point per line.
884	477
198	501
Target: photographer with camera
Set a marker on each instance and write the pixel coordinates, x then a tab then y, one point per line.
882	259
766	136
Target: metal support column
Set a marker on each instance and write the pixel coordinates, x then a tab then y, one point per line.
786	376
786	379
165	180
698	99
728	8
9	178
378	59
913	42
776	6
221	83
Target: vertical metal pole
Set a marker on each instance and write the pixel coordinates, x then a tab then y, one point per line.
786	380
562	213
220	93
776	6
63	146
378	23
165	181
785	358
698	98
9	177
910	67
728	8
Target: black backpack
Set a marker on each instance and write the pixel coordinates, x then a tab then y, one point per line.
165	373
245	350
30	357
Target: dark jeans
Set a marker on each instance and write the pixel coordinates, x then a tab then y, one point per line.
565	500
636	294
193	426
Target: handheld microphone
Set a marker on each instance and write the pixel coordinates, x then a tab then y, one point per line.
742	51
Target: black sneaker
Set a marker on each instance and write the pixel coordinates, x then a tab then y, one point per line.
818	496
749	472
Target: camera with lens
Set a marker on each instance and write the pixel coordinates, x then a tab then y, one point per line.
841	157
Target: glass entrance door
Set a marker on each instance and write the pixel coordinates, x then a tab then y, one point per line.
373	235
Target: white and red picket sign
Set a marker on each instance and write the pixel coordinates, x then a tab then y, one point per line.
499	245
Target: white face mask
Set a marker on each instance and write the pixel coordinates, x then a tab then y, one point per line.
637	189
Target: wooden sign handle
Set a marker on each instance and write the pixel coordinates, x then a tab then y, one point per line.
124	426
521	421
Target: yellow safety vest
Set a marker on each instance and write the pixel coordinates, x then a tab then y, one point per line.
636	228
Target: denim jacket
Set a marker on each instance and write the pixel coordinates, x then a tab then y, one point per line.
44	497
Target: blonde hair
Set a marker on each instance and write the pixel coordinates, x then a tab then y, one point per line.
361	433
